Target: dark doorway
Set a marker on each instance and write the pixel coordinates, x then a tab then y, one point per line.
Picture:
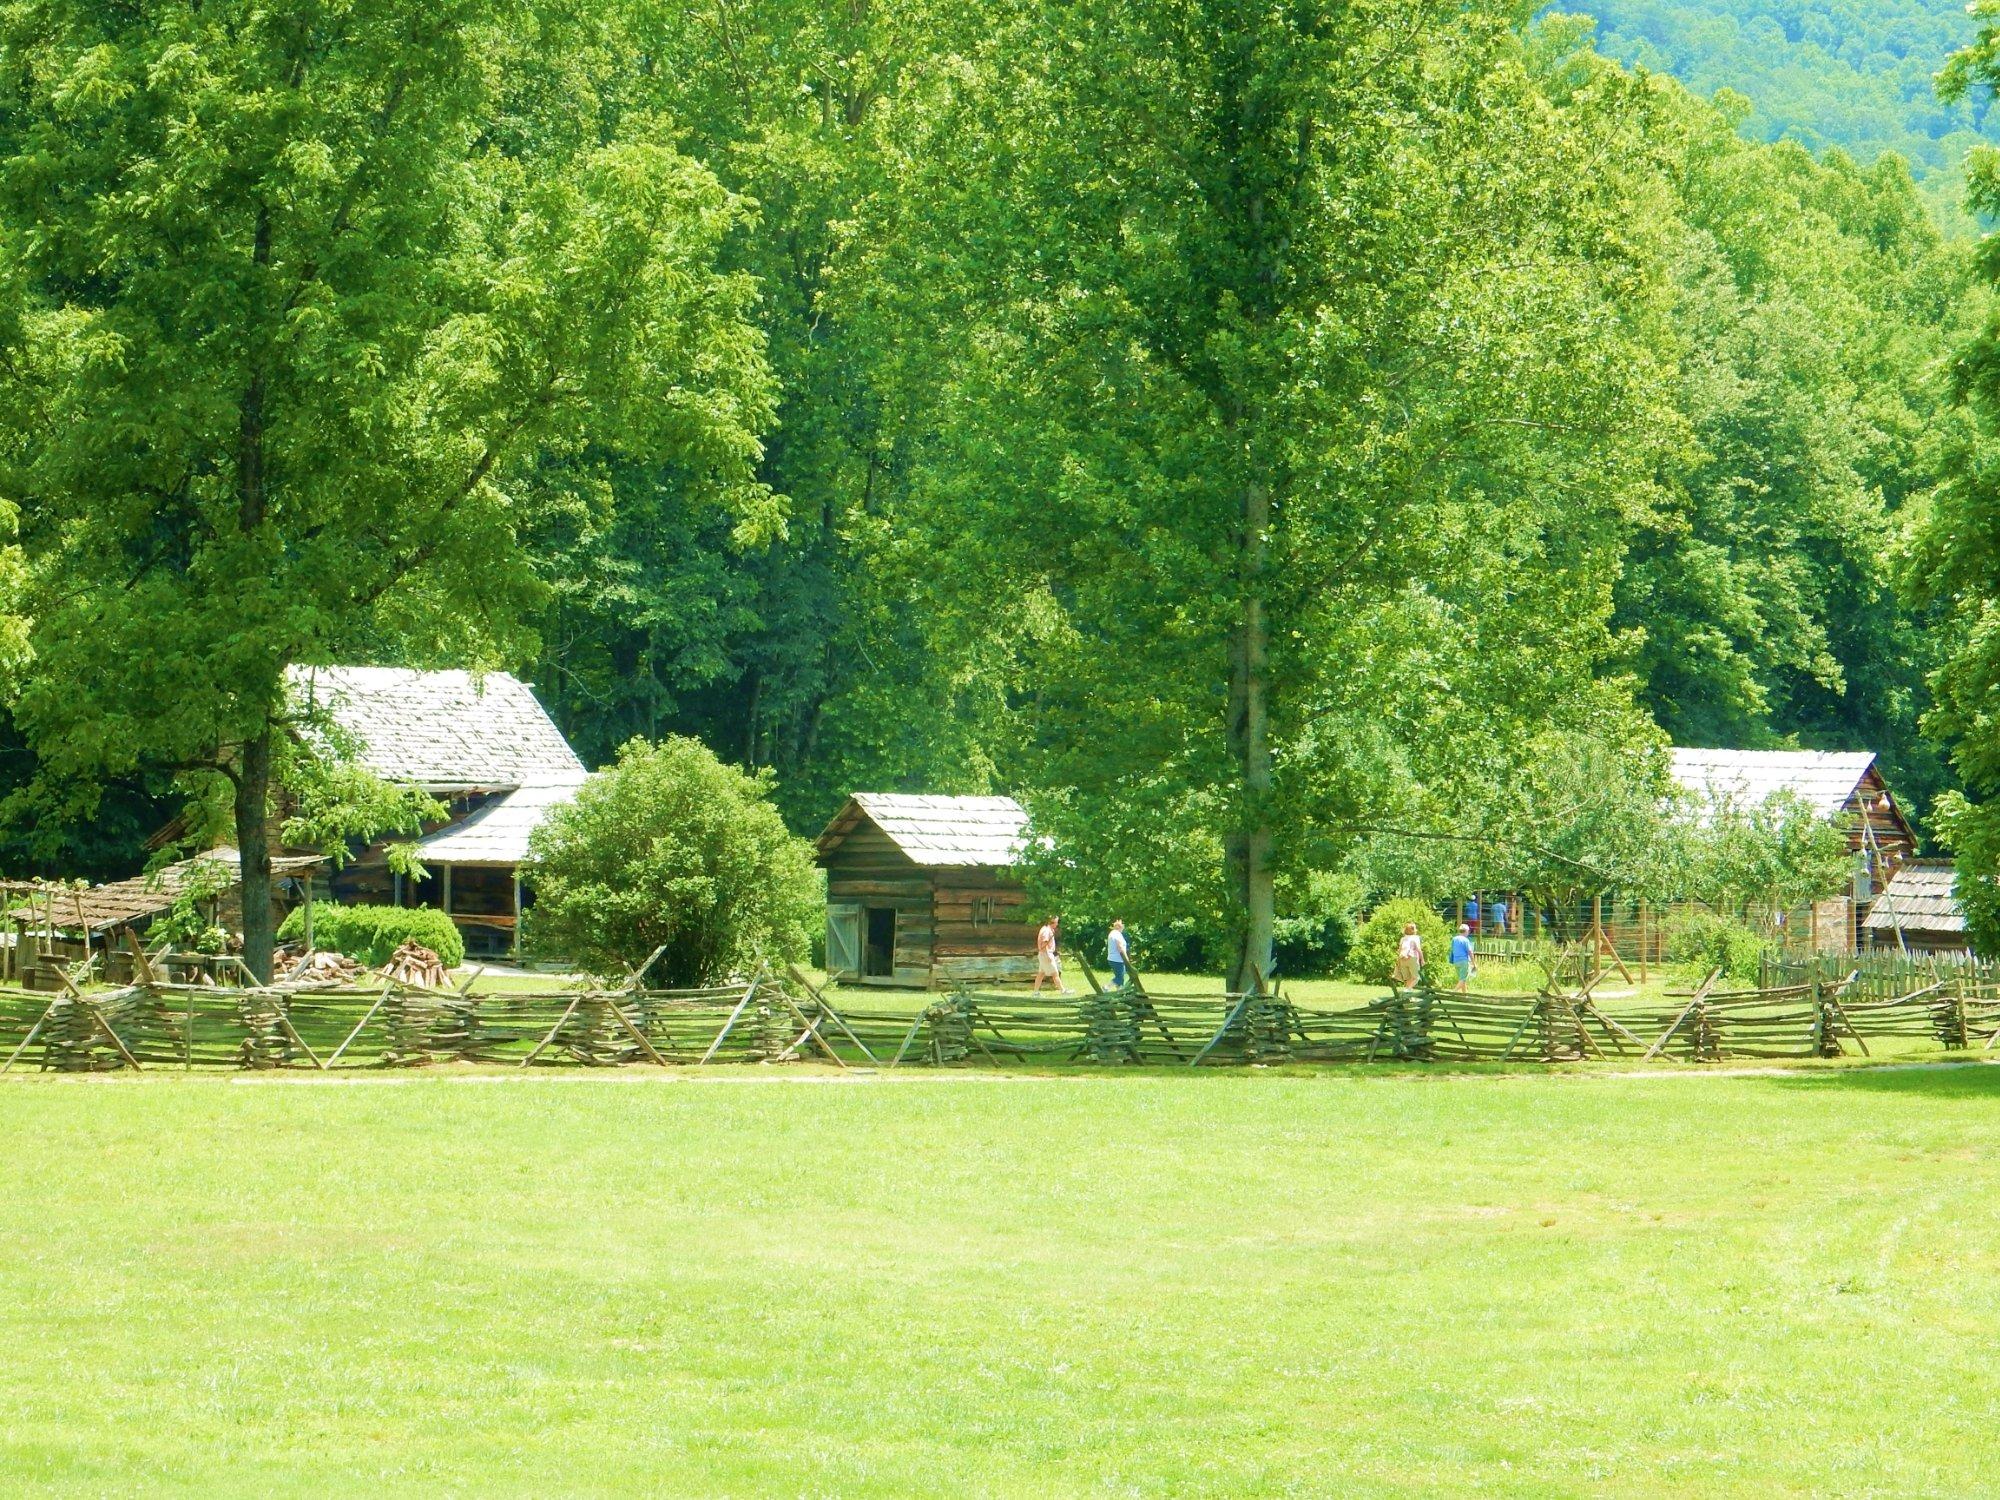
879	962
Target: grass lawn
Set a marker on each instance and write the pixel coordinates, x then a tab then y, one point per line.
1233	1283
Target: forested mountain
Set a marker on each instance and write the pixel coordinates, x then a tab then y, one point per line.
1857	74
1238	432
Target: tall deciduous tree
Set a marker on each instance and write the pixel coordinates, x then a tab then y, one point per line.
1296	394
300	301
1953	562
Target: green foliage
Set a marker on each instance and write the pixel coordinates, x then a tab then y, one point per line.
336	804
1779	854
670	848
303	309
188	923
372	934
1700	942
1316	932
1373	956
1857	74
1952	563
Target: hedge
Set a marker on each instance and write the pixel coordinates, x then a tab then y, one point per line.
373	933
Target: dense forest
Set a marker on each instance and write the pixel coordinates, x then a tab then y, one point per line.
1245	435
1857	74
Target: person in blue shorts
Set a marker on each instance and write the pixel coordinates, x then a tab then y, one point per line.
1461	955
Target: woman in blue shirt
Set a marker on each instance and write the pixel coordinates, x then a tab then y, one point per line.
1461	956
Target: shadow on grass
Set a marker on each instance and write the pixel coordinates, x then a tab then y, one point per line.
1950	1077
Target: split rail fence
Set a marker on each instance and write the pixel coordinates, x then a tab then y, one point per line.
186	1015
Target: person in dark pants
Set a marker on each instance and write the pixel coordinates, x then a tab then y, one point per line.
1119	954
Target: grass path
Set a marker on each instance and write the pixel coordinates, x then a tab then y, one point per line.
1522	1284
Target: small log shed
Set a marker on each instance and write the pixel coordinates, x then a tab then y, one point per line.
1918	911
921	894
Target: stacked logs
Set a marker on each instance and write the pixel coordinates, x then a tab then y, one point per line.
413	963
320	968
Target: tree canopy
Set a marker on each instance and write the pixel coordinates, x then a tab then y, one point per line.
302	303
1247	435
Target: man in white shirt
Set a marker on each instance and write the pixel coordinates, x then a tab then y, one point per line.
1047	965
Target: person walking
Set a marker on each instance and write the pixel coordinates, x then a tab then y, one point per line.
1118	953
1500	916
1409	957
1047	964
1461	955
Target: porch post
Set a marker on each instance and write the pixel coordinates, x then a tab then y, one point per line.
516	949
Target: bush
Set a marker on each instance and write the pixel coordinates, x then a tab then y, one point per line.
373	933
671	848
1701	941
1373	957
1317	935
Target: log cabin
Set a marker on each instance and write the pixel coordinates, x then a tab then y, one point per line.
920	892
1846	788
485	747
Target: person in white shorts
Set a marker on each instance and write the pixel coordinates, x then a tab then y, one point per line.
1047	964
1409	958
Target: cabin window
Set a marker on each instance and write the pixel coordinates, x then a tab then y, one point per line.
982	911
879	959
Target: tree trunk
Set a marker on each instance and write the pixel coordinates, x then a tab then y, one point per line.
253	847
1247	850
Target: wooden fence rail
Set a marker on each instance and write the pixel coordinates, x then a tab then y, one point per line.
772	1018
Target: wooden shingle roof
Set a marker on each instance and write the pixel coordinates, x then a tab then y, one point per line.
939	831
446	731
1749	778
1918	898
113	905
497	834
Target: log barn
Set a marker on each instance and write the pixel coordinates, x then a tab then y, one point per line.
920	892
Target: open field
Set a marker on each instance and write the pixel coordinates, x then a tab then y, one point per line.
1365	1283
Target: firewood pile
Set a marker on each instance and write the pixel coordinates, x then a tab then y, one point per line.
320	968
413	963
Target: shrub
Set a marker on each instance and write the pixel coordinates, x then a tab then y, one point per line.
1318	933
1702	941
671	848
372	934
1372	960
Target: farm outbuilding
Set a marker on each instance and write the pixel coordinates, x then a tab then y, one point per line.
1847	789
485	747
1918	910
921	892
55	926
1843	786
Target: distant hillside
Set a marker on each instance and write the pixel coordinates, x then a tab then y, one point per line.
1850	73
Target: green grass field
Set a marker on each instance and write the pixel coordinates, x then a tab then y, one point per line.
1231	1283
